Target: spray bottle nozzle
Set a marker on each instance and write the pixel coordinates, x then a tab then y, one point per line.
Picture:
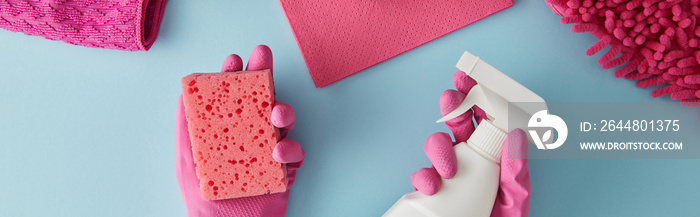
493	92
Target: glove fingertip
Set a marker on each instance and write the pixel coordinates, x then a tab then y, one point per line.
282	115
426	181
260	59
438	148
463	82
288	151
233	63
450	100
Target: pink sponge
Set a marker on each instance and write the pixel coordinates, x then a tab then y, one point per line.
228	117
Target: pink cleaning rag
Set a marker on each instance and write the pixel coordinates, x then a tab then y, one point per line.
658	39
339	38
130	25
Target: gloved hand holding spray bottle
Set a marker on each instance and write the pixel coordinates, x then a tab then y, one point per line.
488	182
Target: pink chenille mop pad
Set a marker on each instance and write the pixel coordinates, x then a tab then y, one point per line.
339	38
658	39
114	24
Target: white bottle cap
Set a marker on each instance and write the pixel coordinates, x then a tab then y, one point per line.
488	140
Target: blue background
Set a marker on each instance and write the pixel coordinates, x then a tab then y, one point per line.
90	132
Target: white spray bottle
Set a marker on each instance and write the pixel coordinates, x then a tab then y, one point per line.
472	191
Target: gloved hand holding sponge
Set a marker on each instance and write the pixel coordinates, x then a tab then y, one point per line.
273	159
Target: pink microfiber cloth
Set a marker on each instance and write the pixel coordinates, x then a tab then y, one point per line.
658	39
339	38
114	24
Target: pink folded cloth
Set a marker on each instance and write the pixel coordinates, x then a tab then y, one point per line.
114	24
339	38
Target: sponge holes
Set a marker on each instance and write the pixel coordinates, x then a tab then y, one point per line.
225	84
192	90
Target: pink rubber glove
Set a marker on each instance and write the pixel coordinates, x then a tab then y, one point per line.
286	151
513	197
